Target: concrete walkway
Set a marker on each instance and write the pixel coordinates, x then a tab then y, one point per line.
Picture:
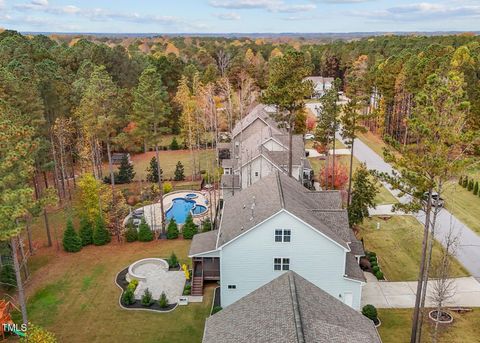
386	294
385	210
468	252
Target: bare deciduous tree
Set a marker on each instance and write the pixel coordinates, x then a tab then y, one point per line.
223	61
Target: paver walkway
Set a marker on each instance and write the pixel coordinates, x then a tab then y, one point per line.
386	294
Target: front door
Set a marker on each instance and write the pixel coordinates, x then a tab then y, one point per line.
349	299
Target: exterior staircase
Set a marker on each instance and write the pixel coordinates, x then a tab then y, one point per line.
197	280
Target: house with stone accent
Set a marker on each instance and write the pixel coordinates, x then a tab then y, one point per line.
258	148
289	309
273	226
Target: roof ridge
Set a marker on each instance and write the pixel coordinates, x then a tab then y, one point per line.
296	309
327	209
280	190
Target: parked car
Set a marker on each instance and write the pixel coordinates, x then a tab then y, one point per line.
437	201
309	136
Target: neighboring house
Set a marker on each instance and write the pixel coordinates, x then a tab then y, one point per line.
320	85
273	226
289	309
258	148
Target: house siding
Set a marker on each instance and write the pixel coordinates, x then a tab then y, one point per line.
247	262
260	165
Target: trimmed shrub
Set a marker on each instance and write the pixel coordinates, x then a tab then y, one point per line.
174	144
71	241
216	309
172	260
172	229
147	299
144	232
375	269
370	312
470	185
163	301
379	275
373	259
133	285
167	187
189	228
371	253
460	181
465	182
7	277
374	263
128	297
475	188
86	231
101	236
187	290
206	225
131	234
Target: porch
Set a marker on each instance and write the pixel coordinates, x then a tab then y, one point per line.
204	269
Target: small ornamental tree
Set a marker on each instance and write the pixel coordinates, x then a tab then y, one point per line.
71	241
147	299
152	171
475	188
172	229
128	297
167	187
37	334
7	277
173	260
465	182
470	185
340	177
101	236
86	231
131	233
189	228
163	301
125	171
206	225
174	145
179	172
144	232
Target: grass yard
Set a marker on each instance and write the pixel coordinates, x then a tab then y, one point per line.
398	247
168	160
396	326
76	298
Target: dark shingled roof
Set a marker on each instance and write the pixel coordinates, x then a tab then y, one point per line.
227	182
203	242
321	210
289	309
352	270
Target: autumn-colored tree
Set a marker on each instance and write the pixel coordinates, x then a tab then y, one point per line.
337	177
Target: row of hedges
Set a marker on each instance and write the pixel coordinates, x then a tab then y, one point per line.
469	184
96	233
372	257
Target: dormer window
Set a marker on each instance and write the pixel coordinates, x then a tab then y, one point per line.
283	235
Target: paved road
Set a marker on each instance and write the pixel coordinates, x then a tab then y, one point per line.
468	252
386	294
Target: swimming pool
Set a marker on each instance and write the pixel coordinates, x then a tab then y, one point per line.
180	209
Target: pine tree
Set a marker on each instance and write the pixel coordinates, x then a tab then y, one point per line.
460	181
172	229
71	241
189	228
7	277
101	236
145	234
179	172
125	171
86	231
475	188
465	182
470	185
174	145
131	233
152	171
363	195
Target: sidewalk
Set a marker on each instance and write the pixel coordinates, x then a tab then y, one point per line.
385	294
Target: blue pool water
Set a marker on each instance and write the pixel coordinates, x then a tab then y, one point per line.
181	208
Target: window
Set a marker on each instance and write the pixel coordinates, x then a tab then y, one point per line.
283	235
281	263
278	235
256	173
232	286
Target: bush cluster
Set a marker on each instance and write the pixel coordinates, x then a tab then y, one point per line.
173	261
469	184
131	232
144	232
370	312
372	257
187	290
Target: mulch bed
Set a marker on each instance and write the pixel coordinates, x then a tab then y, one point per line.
216	298
123	283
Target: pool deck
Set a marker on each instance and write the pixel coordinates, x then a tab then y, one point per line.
153	212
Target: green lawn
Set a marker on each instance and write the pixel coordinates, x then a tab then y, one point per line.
396	326
398	247
75	297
